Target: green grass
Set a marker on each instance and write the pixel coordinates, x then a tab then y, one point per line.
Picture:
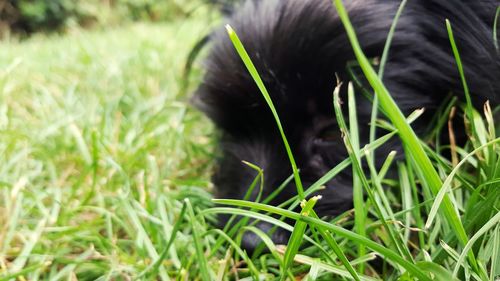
98	151
105	172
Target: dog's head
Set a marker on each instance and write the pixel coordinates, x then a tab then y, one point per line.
298	66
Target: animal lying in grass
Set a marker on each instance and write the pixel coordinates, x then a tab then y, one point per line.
298	48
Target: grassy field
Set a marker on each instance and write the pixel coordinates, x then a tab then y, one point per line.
98	149
105	174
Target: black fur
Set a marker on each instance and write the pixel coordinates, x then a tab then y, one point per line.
298	46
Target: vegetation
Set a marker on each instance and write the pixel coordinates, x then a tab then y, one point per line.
29	16
99	149
105	175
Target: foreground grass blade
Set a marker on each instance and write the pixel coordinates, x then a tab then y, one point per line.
495	24
387	253
202	262
357	190
296	237
383	61
336	249
410	139
469	109
256	77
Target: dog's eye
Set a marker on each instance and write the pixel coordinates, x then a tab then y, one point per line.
328	136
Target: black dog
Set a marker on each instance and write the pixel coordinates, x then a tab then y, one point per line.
298	46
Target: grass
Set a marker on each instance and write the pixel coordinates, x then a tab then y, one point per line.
99	150
105	175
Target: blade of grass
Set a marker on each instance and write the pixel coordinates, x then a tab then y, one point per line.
297	234
267	241
383	61
260	84
495	256
495	26
19	263
357	189
379	194
23	272
387	164
202	262
336	249
168	229
406	198
259	178
438	272
469	108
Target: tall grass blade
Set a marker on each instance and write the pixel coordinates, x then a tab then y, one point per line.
201	259
469	109
357	189
260	84
297	234
495	27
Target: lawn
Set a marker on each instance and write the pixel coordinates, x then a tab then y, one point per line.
99	148
105	174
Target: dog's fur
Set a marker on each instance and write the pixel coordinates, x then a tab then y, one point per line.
298	46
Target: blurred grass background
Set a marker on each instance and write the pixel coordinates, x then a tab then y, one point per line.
26	17
98	144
